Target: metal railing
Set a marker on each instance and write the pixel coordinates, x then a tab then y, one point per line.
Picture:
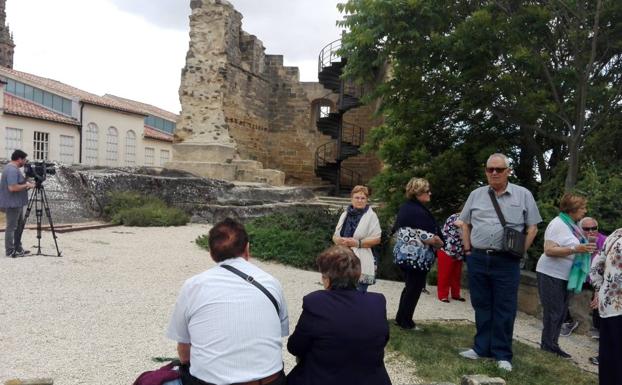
328	54
352	134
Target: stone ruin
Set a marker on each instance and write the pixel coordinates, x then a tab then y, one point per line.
247	117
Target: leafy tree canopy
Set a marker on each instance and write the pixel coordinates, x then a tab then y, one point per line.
537	80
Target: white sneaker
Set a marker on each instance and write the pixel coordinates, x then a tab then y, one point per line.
504	365
470	354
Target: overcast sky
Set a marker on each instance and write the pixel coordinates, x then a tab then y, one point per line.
137	48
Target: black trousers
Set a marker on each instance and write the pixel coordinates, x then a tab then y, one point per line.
610	351
414	283
554	299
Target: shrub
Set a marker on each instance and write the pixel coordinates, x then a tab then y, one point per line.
133	209
296	239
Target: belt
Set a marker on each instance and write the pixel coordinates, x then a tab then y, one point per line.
489	251
262	381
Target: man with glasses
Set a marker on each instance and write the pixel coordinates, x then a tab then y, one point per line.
494	275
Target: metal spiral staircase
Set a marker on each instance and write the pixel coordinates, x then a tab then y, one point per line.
347	138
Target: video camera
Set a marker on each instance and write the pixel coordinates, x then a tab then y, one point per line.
39	170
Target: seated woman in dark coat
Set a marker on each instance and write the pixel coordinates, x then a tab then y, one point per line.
341	334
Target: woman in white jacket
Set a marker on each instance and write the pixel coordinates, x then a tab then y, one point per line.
359	228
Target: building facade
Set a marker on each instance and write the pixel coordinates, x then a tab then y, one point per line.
55	122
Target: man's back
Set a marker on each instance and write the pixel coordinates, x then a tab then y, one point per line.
11	176
234	329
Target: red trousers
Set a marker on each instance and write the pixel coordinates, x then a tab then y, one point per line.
449	273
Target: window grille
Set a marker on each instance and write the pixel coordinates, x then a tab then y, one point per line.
149	156
13	141
164	157
91	144
112	146
66	149
130	148
41	146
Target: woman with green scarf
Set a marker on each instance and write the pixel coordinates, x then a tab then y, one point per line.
562	268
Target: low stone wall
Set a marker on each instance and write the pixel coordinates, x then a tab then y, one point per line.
79	194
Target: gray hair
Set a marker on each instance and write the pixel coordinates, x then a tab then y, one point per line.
585	219
499	155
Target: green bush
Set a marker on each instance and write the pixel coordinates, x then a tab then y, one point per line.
133	209
298	237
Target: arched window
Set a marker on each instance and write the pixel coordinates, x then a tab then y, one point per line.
112	146
130	148
90	143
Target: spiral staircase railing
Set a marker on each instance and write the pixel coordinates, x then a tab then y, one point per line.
348	137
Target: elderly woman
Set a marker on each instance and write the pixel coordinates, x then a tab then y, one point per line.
417	237
359	229
565	246
606	277
341	334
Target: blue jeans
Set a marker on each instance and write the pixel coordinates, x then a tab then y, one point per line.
493	283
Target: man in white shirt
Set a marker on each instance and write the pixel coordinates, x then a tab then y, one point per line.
225	327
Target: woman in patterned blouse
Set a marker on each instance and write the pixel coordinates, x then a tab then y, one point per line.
450	259
606	276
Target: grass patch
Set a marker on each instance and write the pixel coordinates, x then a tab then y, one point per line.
435	352
133	209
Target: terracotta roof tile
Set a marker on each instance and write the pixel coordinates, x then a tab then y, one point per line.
68	91
156	134
146	108
21	107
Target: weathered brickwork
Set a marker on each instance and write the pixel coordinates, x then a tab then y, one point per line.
233	94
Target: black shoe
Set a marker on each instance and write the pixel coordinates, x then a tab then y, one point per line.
425	291
562	354
593	360
459	299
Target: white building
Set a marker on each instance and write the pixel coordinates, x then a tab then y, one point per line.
56	122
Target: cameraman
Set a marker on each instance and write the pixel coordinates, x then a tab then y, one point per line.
13	198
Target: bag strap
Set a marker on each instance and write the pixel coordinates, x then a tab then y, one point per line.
495	203
252	281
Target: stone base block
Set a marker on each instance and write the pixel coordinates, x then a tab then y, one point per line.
272	177
224	171
247	165
203	152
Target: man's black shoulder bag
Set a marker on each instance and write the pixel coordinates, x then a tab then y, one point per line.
513	240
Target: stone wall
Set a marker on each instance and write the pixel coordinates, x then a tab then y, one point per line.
233	94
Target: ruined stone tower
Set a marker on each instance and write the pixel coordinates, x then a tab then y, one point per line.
6	39
245	115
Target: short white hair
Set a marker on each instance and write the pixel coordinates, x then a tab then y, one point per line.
585	219
499	155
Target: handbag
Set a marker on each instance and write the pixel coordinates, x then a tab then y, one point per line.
513	241
410	251
168	372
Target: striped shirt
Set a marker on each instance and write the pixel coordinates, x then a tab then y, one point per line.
235	332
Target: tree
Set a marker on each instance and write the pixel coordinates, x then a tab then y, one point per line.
531	78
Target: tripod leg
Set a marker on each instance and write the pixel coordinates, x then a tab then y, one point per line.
38	214
48	213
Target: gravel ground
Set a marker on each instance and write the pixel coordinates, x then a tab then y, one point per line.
98	314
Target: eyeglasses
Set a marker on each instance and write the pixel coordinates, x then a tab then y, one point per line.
595	228
427	192
499	170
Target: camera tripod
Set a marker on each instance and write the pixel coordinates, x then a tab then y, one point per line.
39	200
